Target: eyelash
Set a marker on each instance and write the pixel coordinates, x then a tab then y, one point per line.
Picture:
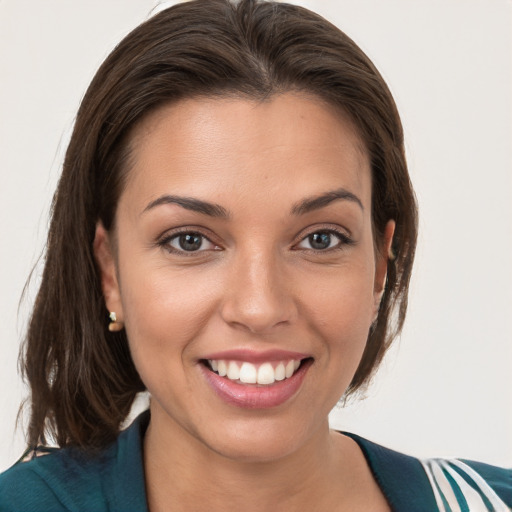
165	242
343	241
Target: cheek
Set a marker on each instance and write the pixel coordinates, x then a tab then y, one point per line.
341	298
340	312
164	312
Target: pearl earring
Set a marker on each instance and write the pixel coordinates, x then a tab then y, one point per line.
114	325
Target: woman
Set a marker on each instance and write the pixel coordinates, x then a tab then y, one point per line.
233	231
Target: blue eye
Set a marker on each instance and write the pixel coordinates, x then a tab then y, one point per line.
188	242
323	240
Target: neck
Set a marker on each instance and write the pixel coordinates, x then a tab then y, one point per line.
181	470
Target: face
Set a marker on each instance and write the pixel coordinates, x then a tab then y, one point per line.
243	245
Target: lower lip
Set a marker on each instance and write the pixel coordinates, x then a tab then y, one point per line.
252	396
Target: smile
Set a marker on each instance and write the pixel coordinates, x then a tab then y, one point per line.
256	381
245	372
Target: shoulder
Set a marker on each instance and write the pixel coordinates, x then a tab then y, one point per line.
23	489
427	485
65	479
74	480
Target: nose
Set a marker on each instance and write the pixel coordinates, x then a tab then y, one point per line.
258	295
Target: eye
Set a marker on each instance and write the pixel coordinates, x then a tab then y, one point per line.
324	240
188	242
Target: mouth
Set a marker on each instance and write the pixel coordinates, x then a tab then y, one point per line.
260	384
263	374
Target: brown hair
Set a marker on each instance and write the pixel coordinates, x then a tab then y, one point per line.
82	378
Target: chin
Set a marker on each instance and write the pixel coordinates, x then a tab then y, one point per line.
256	441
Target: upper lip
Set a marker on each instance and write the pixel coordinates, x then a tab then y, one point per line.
252	356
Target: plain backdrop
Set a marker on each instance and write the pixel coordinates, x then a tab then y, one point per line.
445	388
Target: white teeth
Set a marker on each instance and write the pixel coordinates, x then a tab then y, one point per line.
248	373
222	368
233	371
266	374
279	372
289	369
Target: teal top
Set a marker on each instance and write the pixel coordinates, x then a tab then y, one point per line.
113	480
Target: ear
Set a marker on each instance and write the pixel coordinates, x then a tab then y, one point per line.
103	252
384	253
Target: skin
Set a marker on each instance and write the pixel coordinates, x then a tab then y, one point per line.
256	284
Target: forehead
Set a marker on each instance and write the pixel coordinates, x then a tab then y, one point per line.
289	145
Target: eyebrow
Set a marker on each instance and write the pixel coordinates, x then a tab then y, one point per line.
190	203
316	202
216	210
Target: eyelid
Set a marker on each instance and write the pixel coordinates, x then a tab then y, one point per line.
343	235
164	239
